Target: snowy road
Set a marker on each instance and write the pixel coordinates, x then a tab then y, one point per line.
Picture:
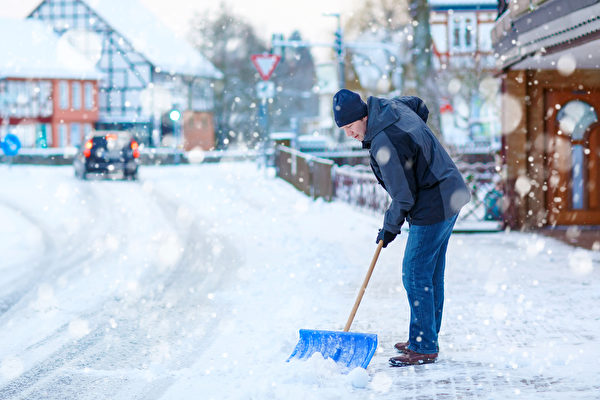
193	282
113	276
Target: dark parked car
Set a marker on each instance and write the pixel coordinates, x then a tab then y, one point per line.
108	153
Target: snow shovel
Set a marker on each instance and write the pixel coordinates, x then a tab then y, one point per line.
349	349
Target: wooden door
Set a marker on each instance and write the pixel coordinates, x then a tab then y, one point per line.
573	157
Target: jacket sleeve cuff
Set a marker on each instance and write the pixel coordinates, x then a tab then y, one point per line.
393	226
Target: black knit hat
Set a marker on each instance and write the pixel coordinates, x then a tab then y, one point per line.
348	107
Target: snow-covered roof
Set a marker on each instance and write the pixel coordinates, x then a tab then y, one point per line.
31	49
152	38
463	4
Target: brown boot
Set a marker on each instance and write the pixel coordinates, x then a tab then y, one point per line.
412	358
401	346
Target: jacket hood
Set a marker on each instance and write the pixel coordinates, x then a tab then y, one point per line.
383	113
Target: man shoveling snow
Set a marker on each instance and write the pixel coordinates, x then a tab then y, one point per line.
426	189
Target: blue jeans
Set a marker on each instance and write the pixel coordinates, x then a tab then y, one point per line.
423	279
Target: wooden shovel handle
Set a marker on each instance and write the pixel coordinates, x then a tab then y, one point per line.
364	286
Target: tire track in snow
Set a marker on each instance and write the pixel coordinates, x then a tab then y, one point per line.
13	290
55	259
48	377
202	265
61	263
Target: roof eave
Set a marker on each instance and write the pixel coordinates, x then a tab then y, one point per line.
530	36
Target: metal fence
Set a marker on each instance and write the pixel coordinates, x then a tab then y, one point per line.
309	174
482	180
356	185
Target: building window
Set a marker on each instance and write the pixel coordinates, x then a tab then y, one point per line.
89	96
463	33
26	134
574	120
75	134
62	135
63	95
47	129
23	100
468	33
45	98
76	92
87	130
577	174
456	34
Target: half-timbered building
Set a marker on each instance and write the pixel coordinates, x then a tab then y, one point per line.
48	90
463	54
460	30
147	71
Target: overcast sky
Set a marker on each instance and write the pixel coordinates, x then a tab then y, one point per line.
267	16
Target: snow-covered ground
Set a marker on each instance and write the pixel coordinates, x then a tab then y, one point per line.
193	283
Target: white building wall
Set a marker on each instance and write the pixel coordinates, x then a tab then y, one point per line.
459	35
440	37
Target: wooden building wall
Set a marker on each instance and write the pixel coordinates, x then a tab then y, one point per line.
527	146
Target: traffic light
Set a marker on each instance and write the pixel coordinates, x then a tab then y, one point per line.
174	114
276	46
338	42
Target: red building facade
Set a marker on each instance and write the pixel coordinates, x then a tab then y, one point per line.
48	112
48	91
75	104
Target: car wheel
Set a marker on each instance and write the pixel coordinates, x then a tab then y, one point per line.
80	174
131	176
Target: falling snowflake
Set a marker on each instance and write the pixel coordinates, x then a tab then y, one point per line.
383	155
566	64
196	155
522	185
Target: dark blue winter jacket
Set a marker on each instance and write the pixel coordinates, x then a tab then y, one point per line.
410	163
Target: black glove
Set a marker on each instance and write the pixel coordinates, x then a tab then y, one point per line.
386	236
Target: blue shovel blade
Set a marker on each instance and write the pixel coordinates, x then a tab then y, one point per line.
348	349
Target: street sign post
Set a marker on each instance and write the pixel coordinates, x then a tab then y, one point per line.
265	64
11	145
265	90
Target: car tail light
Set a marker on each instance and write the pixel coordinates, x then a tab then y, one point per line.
87	152
135	148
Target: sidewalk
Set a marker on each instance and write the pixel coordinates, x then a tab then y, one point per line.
520	321
587	237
